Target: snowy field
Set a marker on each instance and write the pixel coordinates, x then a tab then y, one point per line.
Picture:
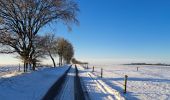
9	69
28	86
148	83
96	89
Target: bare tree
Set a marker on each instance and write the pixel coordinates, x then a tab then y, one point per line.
68	52
64	50
40	53
50	46
20	21
61	44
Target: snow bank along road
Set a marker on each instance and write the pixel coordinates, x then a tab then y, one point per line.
29	86
59	83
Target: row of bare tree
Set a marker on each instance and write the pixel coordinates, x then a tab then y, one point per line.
21	20
57	46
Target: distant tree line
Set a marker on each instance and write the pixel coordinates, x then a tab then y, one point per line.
20	22
75	61
158	64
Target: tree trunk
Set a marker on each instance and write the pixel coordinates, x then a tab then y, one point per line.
61	60
30	66
24	66
34	65
52	59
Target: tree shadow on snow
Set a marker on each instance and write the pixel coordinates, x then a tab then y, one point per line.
128	95
108	81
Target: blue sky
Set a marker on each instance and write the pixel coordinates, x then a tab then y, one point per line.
120	31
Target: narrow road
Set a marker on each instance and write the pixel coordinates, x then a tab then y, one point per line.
67	90
68	87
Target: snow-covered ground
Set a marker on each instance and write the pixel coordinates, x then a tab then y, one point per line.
29	86
96	88
9	69
148	83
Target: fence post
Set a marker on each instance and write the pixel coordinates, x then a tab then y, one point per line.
93	69
137	68
101	72
125	83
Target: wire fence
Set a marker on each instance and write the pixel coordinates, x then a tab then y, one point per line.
99	72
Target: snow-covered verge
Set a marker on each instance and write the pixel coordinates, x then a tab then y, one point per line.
96	88
148	83
29	86
9	69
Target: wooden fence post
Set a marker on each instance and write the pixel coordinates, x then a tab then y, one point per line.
125	83
137	68
101	72
93	69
